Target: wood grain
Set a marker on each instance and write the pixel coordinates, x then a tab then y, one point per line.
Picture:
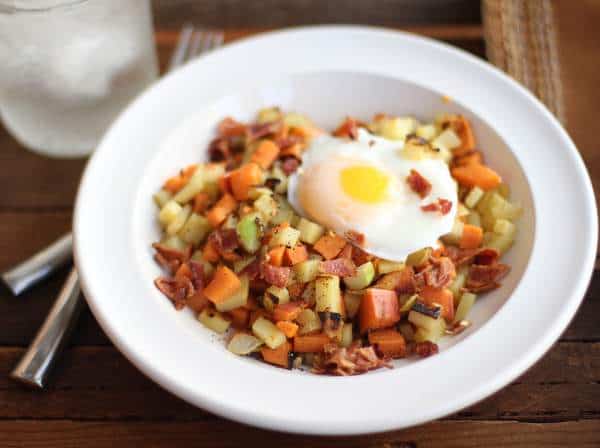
99	383
274	13
221	434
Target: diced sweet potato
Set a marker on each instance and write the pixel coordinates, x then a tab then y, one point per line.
278	356
329	246
389	342
311	343
222	286
287	311
379	308
441	296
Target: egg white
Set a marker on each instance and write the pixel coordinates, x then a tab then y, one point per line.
393	228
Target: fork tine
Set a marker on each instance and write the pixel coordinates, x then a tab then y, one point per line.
196	44
217	40
183	43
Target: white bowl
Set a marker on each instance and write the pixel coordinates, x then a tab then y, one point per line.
328	73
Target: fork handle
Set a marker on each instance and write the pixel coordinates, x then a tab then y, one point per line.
40	266
35	365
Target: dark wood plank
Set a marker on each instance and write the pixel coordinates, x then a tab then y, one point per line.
273	13
221	434
99	383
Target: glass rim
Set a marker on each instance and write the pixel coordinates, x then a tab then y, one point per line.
7	6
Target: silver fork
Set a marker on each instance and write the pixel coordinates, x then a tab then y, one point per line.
35	365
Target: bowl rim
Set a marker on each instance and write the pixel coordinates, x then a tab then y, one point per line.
264	417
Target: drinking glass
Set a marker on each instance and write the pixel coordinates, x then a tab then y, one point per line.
69	67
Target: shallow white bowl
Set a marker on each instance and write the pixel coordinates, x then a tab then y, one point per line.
328	73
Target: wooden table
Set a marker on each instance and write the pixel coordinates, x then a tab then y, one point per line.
98	399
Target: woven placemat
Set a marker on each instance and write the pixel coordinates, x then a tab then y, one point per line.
521	39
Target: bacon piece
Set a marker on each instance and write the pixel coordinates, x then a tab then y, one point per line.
170	258
485	277
342	267
483	256
359	256
288	141
487	256
441	205
418	184
274	275
219	149
349	128
224	240
252	270
228	127
355	237
290	165
177	290
260	130
425	349
439	273
348	361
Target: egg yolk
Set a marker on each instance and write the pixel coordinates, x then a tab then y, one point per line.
364	183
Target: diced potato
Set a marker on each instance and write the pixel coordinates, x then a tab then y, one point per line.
282	215
352	303
328	295
488	222
474	196
423	321
363	277
504	227
308	295
295	221
281	295
192	188
169	212
268	332
407	303
295	120
447	139
427	131
195	229
505	210
277	173
396	128
238	299
249	232
306	271
174	242
504	190
347	337
285	237
474	219
162	197
256	192
266	206
501	242
462	211
419	257
243	344
309	321
310	232
230	222
177	224
466	303
459	282
269	114
455	234
387	266
214	320
432	334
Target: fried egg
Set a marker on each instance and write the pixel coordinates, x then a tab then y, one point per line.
360	186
